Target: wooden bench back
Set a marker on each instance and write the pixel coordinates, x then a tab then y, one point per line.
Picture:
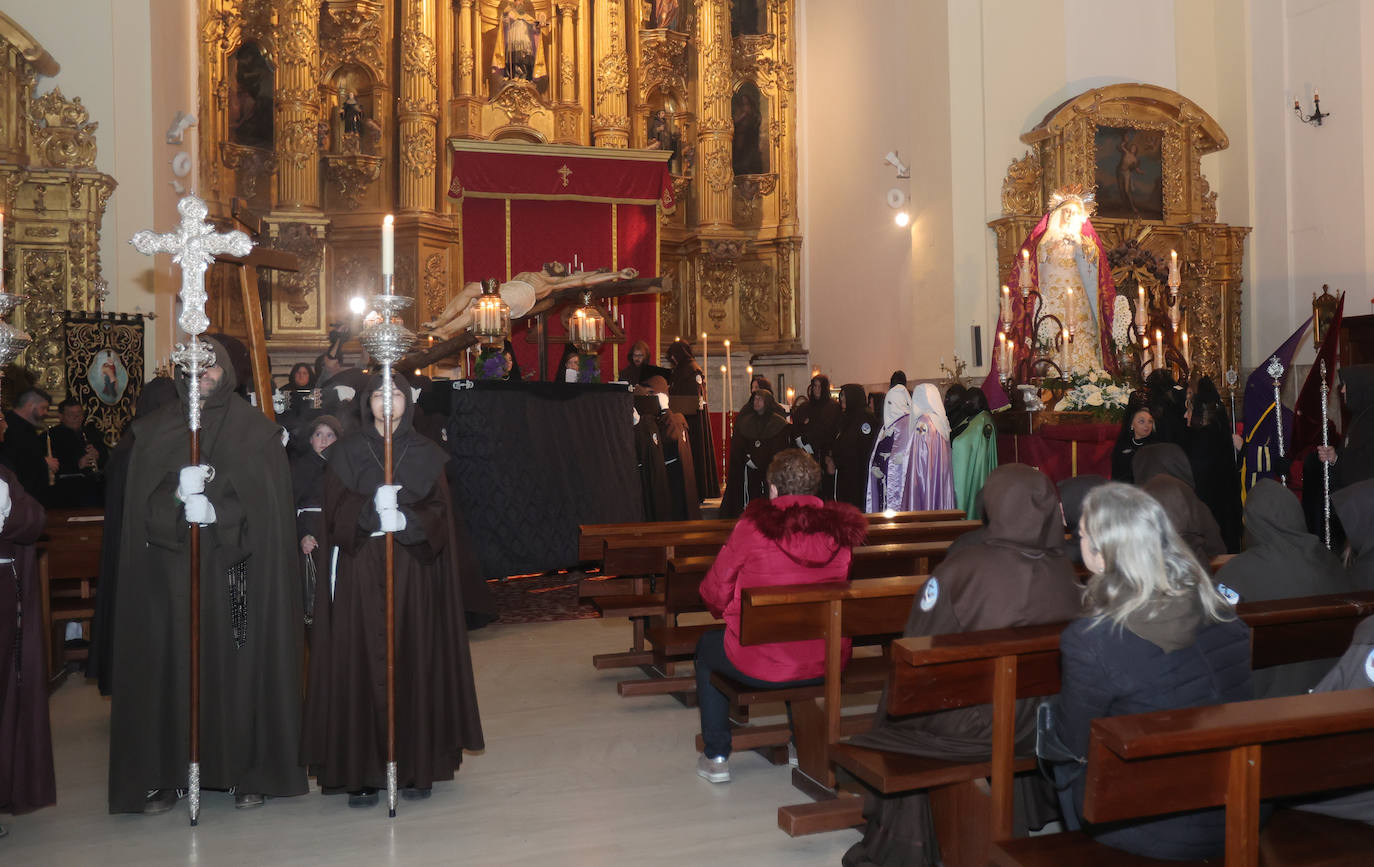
591	536
649	552
684	575
1230	755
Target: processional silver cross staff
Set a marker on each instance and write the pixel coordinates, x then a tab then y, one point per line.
387	341
193	246
1275	371
1326	468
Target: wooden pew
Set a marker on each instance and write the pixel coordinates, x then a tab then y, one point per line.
592	536
68	572
1232	756
673	643
996	667
648	553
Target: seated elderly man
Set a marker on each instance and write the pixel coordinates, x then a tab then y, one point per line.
793	537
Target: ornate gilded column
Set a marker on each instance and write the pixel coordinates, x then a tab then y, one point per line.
298	107
467	55
567	113
418	119
611	119
714	129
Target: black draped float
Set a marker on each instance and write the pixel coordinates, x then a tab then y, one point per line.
532	461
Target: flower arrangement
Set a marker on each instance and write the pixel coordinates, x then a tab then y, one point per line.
1095	391
491	364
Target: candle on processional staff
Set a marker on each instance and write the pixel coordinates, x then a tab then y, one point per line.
729	391
705	366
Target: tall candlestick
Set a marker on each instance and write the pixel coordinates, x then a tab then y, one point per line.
724	413
705	361
388	245
729	381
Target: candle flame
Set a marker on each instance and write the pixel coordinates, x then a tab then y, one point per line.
388	220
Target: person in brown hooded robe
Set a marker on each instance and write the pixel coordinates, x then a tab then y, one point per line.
27	781
639	361
1162	470
436	701
252	641
760	434
1354	504
1281	561
687	394
1018	576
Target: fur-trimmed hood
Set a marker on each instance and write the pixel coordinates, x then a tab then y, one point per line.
806	529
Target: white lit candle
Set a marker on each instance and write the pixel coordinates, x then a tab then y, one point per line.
2	251
705	363
729	391
1160	358
1144	353
1173	269
725	412
1006	303
1141	317
388	245
1187	359
1025	272
1064	351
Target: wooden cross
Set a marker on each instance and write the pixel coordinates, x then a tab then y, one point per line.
261	258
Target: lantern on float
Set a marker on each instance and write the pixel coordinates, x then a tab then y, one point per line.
491	319
587	326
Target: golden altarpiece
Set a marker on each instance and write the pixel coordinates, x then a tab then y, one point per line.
1140	147
324	115
53	201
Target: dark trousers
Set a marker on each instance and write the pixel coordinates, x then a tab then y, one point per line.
712	703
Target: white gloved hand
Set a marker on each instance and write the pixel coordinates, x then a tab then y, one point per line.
6	503
391	520
199	510
193	479
385	498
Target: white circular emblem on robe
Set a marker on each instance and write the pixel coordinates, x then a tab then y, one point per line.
1369	666
1228	594
931	594
655	436
866	428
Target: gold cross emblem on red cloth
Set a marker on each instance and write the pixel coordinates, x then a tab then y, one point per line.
565	172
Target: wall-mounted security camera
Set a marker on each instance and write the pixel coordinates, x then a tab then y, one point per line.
903	170
180	124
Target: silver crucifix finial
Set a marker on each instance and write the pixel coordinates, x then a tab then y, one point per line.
193	246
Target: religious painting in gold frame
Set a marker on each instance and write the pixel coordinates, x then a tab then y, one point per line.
104	367
1129	172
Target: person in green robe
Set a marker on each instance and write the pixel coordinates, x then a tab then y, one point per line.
974	453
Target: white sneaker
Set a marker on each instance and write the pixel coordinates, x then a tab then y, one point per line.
713	770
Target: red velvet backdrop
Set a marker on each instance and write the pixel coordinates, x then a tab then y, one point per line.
520	210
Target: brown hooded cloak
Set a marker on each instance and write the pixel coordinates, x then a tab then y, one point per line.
758	437
436	701
250	609
1162	471
1017	576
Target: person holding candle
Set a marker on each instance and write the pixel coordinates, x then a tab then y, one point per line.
815	425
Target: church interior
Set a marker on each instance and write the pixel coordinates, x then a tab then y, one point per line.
1011	195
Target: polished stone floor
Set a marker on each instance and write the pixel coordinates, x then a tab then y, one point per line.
573	774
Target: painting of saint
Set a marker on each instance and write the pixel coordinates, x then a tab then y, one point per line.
107	376
746	18
664	14
1129	176
250	101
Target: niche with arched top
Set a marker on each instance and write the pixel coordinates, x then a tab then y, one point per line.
664	130
253	83
351	104
749	113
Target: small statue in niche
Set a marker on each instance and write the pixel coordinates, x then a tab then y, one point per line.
662	136
517	50
746	18
352	114
662	14
747	144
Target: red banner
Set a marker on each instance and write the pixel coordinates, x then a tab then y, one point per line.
489	169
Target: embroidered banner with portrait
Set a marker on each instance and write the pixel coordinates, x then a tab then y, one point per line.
104	366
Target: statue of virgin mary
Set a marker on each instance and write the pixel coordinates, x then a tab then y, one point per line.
1064	261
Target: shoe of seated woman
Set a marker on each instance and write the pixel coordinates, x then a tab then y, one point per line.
714	770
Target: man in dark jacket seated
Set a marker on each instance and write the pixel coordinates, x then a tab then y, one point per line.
790	538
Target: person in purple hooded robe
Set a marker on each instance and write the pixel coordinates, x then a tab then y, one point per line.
887	467
910	468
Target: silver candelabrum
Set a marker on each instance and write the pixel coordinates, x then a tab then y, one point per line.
12	340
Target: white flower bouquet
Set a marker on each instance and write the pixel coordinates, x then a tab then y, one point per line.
1095	391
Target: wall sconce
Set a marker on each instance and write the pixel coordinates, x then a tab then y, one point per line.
1315	118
